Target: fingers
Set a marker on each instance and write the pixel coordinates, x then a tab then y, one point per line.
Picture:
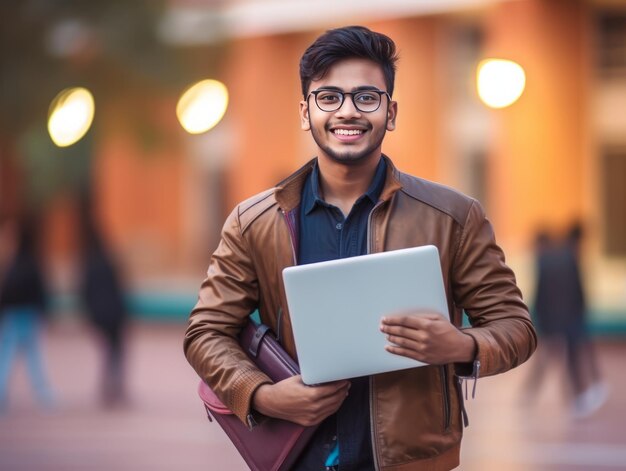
322	401
415	327
327	393
330	389
327	406
414	320
415	348
413	342
323	389
399	333
406	352
411	335
429	338
292	400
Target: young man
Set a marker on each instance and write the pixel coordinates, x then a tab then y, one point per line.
350	201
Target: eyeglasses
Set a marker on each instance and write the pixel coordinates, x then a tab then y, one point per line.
366	101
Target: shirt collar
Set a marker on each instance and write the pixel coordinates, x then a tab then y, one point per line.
311	194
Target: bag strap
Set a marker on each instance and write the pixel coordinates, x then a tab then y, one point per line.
260	332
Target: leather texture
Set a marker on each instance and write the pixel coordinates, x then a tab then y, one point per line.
416	414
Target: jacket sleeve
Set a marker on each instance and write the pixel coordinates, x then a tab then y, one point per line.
227	296
485	288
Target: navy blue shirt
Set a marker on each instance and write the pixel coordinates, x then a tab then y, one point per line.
326	234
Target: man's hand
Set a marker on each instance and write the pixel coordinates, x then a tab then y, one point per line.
429	338
292	400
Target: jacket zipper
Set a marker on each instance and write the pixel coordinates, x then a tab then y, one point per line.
446	398
459	393
292	235
370	249
292	238
372	431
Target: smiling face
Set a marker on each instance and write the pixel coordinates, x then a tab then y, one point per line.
347	135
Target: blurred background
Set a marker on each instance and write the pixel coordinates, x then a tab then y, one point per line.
129	130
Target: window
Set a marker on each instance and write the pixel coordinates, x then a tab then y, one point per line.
611	46
477	177
614	195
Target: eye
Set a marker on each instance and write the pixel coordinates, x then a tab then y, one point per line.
367	97
329	97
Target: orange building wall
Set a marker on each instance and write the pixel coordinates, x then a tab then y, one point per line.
139	190
540	142
262	77
414	144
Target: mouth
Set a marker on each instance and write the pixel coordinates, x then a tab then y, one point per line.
347	133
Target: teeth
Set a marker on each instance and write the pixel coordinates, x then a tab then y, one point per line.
348	132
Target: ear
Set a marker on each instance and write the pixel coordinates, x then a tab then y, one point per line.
305	123
392	112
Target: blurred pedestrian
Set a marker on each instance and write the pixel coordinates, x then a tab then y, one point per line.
590	392
23	308
102	296
545	320
560	312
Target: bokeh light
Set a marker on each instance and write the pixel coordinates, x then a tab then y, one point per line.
500	82
70	117
202	106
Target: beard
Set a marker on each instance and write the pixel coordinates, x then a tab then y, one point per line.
348	156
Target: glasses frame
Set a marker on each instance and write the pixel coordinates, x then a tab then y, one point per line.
343	94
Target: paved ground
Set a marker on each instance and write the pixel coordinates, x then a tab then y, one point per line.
164	426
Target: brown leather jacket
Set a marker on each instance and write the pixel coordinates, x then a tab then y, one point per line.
416	414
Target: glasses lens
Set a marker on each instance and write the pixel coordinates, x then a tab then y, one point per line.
329	100
367	101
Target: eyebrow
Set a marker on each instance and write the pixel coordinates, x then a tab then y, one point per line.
361	88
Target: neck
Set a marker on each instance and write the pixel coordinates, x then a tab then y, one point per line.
342	185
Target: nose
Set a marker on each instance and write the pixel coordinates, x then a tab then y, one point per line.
347	108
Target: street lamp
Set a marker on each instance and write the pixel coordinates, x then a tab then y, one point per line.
202	106
500	82
70	116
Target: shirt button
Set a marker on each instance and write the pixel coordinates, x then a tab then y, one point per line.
339	226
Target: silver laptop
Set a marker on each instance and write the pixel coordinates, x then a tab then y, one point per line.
336	308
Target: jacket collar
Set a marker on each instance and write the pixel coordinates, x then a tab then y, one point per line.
288	191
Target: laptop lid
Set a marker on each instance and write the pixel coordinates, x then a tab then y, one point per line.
336	308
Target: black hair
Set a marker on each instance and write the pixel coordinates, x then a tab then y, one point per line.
345	43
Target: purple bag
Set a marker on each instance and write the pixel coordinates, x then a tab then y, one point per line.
274	444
